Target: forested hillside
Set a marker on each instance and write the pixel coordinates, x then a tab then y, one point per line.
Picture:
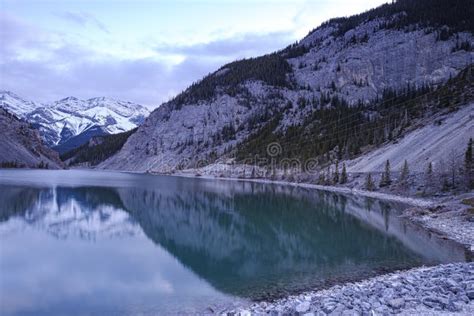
98	149
341	131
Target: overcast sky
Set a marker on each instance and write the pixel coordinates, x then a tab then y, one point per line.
145	51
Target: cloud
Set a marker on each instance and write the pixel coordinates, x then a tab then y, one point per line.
83	19
19	38
145	81
238	46
45	66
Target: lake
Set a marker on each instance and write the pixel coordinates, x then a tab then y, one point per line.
95	243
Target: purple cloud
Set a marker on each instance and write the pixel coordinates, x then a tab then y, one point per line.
45	67
239	46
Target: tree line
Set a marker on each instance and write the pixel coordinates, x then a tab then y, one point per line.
272	69
338	131
105	147
456	174
447	16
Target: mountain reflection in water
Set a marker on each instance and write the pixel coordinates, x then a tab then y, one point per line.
244	239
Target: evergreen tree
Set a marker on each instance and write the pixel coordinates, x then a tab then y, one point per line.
328	176
404	173
369	183
429	178
382	180
336	174
386	179
469	165
343	174
322	178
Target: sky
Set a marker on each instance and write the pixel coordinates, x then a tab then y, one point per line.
144	51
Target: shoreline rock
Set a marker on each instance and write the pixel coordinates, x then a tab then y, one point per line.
440	289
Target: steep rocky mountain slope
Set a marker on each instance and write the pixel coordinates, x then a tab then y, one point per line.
319	94
22	147
449	132
71	122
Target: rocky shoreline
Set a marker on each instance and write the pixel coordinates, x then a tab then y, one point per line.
443	289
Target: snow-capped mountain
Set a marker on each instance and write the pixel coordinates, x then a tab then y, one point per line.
15	104
62	120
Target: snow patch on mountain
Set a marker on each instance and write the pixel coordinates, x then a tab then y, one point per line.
15	104
69	117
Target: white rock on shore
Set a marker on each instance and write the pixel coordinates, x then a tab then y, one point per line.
443	289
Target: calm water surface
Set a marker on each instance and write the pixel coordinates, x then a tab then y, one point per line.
95	243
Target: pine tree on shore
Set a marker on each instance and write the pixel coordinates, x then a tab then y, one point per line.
386	178
343	174
322	178
369	183
469	165
429	178
328	176
336	174
404	173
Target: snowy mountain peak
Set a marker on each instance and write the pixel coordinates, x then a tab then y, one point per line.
101	99
62	120
71	98
15	104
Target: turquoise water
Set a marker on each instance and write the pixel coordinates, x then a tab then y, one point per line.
94	243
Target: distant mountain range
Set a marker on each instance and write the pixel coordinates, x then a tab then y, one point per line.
71	122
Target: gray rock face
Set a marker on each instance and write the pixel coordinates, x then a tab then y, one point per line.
21	145
182	135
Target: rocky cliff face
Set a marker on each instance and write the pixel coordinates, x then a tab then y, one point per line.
22	146
352	60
